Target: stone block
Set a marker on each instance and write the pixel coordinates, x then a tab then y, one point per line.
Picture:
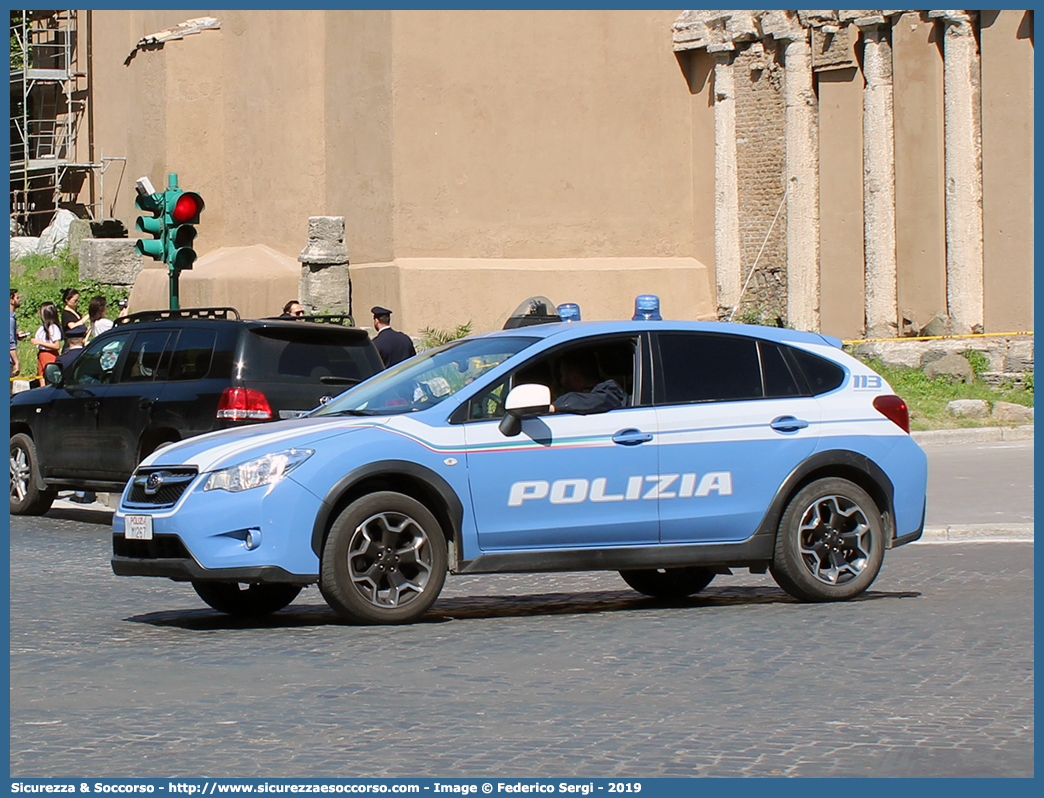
325	241
944	325
325	288
968	408
112	261
1012	413
80	229
896	354
952	367
1019	356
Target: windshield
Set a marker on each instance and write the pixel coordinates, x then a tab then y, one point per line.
427	379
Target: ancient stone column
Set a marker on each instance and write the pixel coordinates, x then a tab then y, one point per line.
726	185
881	304
325	283
963	148
802	180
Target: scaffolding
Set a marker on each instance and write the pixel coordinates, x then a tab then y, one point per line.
48	107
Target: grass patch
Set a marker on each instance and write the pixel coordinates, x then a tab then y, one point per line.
927	398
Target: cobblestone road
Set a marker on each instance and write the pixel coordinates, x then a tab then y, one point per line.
929	674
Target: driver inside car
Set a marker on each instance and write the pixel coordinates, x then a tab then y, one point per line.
585	393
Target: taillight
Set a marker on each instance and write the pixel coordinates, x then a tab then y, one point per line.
894	409
244	403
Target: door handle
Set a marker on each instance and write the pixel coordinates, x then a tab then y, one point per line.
631	437
787	424
93	406
145	404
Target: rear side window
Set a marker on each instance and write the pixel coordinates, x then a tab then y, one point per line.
780	381
821	375
308	356
192	355
709	368
145	360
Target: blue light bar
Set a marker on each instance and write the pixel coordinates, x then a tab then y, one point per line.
647	306
569	311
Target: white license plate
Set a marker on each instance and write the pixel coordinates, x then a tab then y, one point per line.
138	527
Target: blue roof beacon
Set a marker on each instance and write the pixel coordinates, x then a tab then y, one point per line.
647	307
569	311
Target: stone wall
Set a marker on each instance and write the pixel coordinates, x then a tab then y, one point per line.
1010	357
760	161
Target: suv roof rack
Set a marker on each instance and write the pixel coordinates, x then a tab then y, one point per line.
342	319
178	314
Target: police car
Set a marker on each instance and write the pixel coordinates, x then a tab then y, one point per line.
719	447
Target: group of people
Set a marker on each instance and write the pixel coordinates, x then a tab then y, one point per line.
61	333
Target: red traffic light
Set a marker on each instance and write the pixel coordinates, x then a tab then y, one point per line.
187	207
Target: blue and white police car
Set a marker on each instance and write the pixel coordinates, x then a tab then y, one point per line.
668	451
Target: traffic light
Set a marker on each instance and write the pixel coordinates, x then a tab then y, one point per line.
174	212
151	203
182	209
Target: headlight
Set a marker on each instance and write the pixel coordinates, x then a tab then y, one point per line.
265	470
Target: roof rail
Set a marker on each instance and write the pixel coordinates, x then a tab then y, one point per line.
342	319
178	314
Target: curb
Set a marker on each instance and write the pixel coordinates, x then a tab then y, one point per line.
974	435
978	533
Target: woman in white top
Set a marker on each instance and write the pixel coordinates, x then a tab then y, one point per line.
48	337
96	311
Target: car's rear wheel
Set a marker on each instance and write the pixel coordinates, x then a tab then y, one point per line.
384	561
668	583
26	496
830	543
245	601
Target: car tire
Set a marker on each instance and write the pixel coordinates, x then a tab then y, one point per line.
668	583
384	561
26	496
246	601
830	542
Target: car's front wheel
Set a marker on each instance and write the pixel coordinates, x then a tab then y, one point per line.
830	543
26	496
384	561
668	583
246	601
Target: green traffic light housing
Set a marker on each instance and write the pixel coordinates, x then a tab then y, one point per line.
153	225
174	212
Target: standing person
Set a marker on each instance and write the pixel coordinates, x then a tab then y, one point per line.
292	309
75	339
96	310
48	338
392	345
70	315
16	302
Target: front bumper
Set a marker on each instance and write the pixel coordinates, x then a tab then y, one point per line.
204	536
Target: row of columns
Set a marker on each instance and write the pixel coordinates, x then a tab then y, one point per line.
963	157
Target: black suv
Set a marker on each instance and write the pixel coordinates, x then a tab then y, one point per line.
161	376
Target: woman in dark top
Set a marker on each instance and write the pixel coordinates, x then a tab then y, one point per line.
70	315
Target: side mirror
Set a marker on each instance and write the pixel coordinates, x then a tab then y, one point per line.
53	374
524	401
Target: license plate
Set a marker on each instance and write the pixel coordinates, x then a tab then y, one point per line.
138	527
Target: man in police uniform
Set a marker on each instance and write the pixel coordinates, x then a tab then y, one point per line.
393	346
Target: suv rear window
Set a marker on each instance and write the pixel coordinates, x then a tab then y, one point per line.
307	356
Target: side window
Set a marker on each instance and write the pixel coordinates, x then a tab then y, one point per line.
144	357
821	375
780	382
97	364
192	355
589	364
709	368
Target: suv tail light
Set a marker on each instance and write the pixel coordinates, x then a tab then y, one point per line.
894	409
244	403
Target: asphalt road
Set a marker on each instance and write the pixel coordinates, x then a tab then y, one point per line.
929	674
980	483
